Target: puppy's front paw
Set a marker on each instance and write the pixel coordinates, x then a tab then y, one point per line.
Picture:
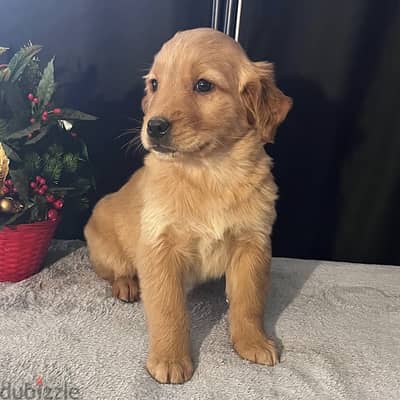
126	289
260	350
170	371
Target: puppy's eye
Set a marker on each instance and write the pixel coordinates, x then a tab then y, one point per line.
154	84
203	86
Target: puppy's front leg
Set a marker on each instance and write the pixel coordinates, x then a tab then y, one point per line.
161	278
246	284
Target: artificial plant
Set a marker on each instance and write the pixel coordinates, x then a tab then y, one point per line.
43	162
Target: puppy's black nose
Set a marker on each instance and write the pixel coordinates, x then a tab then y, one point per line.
158	127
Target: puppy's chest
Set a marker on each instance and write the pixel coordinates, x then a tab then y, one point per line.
212	244
207	227
204	219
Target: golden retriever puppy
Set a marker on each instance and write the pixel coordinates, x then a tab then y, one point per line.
203	204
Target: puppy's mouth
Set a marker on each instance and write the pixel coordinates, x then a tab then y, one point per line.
169	150
160	148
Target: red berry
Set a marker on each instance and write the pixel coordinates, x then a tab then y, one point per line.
50	198
58	204
33	185
32	120
6	190
52	214
45	114
35	100
41	191
14	190
30	135
57	111
30	96
8	182
38	178
44	118
45	188
42	181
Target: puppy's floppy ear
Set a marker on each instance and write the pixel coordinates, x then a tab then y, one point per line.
266	106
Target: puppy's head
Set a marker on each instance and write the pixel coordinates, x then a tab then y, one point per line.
203	94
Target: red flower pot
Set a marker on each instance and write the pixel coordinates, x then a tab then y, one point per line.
23	248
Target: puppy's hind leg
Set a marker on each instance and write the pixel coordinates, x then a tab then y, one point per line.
120	272
126	289
110	263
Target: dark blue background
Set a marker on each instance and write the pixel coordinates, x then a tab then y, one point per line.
336	157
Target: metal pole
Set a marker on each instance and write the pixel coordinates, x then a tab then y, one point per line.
228	17
238	16
215	14
231	16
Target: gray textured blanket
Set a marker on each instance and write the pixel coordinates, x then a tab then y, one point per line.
62	336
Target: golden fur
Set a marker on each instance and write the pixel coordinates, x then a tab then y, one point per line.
203	210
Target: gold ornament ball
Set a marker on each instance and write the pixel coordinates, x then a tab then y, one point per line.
7	205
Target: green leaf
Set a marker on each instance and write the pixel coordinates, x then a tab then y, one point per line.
84	149
16	216
21	183
24	132
35	214
20	60
46	87
68	113
32	164
84	203
5	74
85	154
43	132
57	189
82	182
39	210
3	127
71	162
56	150
11	153
53	168
14	99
